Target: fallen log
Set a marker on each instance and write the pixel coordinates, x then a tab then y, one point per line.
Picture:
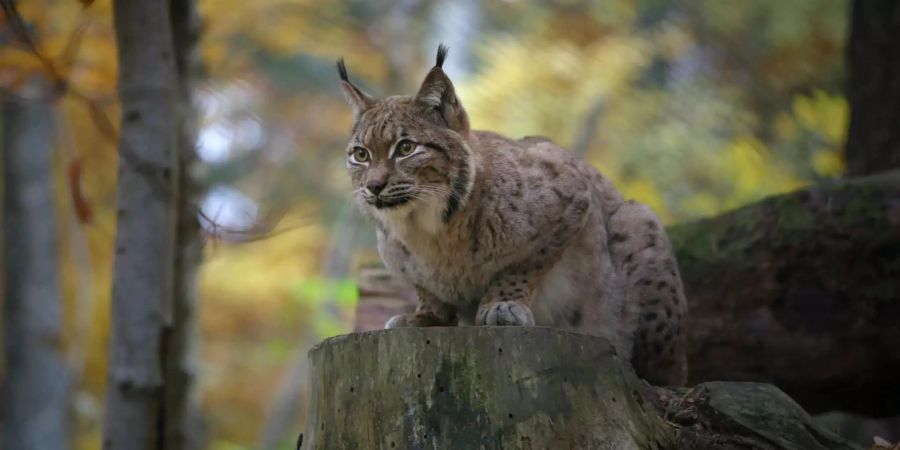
803	291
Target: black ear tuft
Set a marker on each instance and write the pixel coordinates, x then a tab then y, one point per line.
441	55
342	70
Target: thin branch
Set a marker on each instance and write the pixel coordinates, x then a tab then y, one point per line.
73	43
17	25
588	130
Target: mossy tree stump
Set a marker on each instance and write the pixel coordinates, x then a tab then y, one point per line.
529	388
476	387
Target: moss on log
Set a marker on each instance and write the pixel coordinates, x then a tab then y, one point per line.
734	415
528	388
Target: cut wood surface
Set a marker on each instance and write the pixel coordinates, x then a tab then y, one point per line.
528	388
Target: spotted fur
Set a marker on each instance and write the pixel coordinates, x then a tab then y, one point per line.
495	231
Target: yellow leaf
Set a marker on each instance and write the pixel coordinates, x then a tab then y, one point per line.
828	162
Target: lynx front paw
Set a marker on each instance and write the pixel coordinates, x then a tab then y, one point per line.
420	319
504	313
395	322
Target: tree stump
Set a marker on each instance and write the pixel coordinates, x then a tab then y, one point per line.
477	387
530	388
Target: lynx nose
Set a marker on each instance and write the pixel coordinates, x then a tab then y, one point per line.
375	186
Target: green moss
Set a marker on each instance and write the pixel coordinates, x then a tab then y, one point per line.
765	410
784	221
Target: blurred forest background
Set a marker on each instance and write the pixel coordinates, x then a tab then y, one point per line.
693	107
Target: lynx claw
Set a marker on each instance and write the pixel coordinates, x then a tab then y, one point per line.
504	313
395	322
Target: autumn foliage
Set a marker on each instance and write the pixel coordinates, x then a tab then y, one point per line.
692	108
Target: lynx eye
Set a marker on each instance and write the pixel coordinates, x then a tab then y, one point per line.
405	148
360	155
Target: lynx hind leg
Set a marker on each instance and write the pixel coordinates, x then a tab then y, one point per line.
642	253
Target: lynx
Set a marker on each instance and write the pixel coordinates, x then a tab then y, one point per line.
495	231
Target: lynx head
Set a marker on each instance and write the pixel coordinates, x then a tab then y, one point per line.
408	155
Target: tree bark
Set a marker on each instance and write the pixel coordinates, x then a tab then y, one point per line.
145	235
799	290
873	62
35	387
183	423
803	291
524	388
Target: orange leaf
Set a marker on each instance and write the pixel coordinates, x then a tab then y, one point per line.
82	206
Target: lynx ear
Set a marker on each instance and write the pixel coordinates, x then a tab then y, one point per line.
359	100
437	98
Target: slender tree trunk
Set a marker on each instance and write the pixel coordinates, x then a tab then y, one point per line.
456	24
588	131
873	57
282	414
395	38
145	235
36	385
183	426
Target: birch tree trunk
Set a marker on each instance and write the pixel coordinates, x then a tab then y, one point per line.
36	384
145	234
183	426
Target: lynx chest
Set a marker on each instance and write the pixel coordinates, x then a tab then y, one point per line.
450	274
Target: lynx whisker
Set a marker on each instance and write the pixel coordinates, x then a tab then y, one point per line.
439	190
